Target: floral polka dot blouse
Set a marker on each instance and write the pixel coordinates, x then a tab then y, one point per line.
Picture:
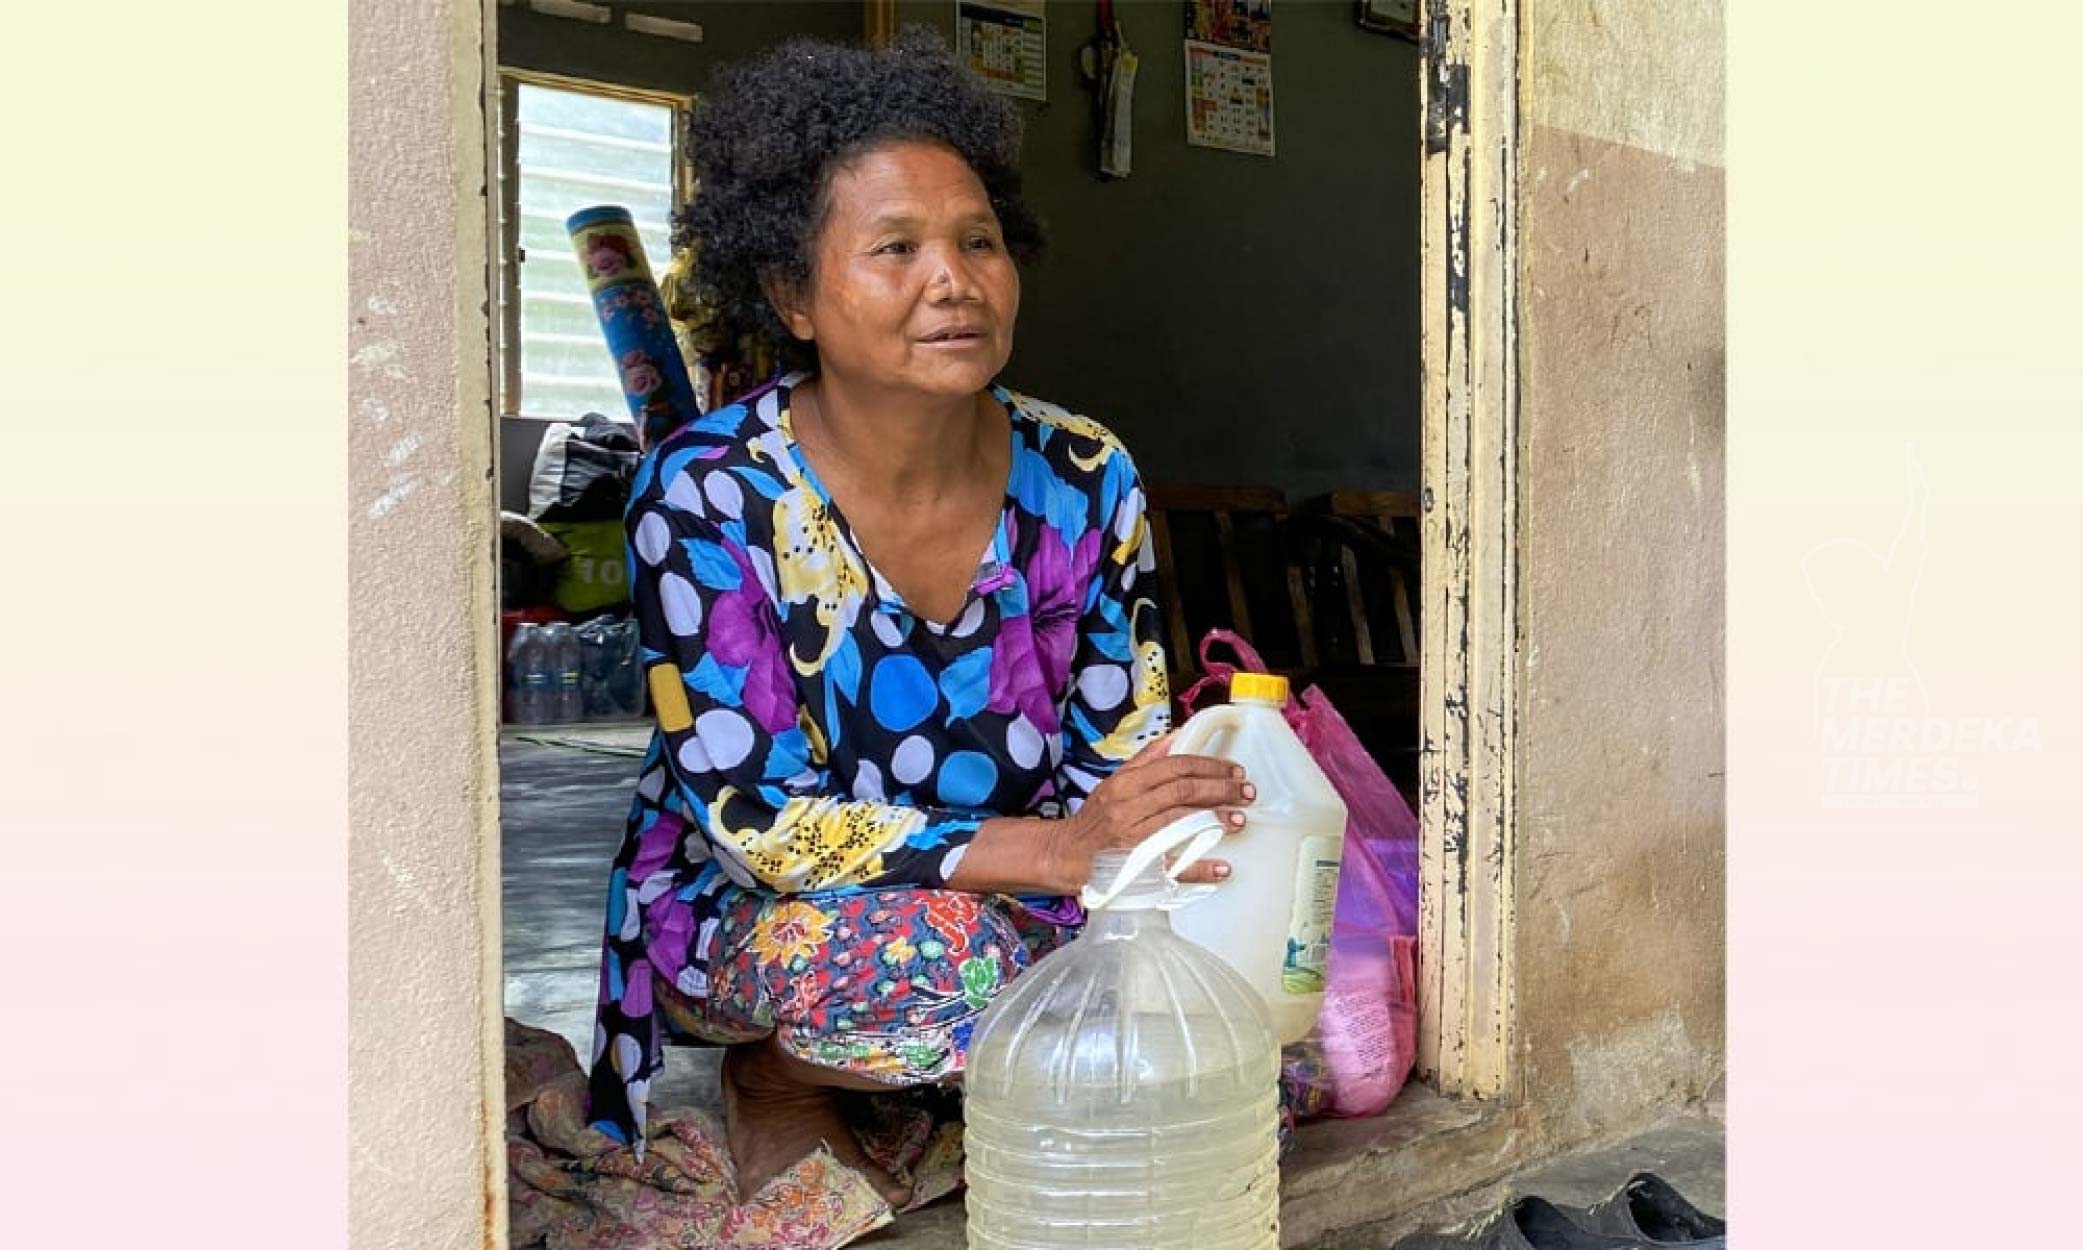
815	734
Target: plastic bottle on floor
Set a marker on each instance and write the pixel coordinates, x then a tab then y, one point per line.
627	683
1271	921
527	676
567	698
1124	1092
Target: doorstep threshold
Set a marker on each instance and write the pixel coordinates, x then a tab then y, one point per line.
1337	1174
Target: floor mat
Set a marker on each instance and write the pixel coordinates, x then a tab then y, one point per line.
618	738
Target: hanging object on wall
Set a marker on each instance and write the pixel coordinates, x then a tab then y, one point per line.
1005	43
1229	75
1231	23
665	27
1229	98
576	10
1390	17
1109	67
632	319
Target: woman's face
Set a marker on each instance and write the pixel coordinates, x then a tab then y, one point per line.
911	287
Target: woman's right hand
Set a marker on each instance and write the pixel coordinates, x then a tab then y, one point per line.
1144	795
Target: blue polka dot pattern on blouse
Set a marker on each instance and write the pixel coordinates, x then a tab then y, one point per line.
967	778
901	694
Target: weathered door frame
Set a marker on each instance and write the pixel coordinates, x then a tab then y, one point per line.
1470	647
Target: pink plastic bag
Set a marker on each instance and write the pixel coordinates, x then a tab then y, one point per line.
1365	1041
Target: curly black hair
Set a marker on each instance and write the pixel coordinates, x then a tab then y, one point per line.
767	142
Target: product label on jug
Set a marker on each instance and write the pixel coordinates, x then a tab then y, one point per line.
1309	926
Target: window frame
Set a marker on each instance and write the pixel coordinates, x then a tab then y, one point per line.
506	342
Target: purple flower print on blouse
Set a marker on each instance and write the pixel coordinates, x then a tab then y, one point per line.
1033	652
742	633
1016	675
1056	585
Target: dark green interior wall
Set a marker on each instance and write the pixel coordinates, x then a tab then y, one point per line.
731	29
1237	320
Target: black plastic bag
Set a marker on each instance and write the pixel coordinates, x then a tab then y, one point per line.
583	470
609	674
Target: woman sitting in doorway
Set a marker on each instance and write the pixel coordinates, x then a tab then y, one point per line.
897	622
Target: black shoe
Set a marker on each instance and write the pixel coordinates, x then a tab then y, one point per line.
1528	1224
1649	1210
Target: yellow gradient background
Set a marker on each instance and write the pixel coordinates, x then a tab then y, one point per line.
173	632
1905	257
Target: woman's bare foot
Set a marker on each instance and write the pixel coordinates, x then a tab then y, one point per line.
778	1109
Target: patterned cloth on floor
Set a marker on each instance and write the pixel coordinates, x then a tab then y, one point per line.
572	1187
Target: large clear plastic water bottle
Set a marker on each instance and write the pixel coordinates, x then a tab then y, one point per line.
567	694
527	676
1124	1092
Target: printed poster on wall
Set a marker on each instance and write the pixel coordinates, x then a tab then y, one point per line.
1005	43
1229	98
1232	23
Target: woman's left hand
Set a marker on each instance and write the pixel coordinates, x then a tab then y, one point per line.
1144	795
1021	854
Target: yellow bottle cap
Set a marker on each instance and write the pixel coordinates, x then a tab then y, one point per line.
1271	687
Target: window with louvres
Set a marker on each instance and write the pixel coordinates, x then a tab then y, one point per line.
569	147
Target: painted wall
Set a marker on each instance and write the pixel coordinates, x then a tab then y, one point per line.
423	902
1621	820
1235	319
731	30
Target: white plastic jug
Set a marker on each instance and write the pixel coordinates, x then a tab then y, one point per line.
1124	1092
1271	920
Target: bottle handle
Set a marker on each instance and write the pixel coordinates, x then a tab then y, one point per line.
1197	833
1200	729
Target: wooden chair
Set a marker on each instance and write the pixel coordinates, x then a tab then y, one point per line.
1363	554
1325	593
1242	548
1377	536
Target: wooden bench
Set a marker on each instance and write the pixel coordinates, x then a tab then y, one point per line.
1378	559
1327	593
